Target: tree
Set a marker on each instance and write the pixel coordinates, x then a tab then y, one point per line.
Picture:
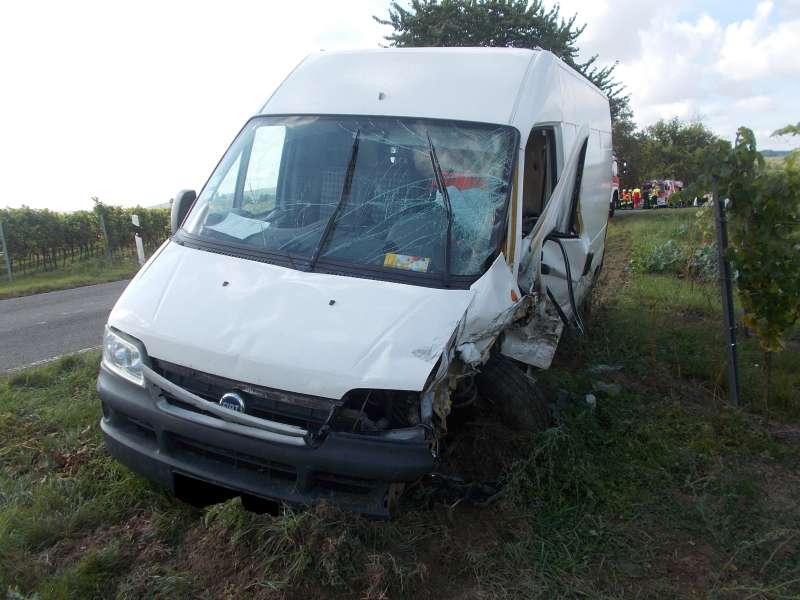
628	148
788	130
503	23
675	149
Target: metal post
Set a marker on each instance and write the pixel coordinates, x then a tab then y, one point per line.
4	248
727	294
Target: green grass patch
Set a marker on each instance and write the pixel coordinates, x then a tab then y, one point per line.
659	490
675	241
61	497
77	274
671	326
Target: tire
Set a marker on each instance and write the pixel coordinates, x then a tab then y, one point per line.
517	398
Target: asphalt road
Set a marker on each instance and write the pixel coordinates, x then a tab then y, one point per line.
38	328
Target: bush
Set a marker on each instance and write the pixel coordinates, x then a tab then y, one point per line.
677	257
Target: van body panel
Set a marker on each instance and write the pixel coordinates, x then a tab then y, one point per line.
406	82
276	327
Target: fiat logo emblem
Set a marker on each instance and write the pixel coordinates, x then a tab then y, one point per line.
232	401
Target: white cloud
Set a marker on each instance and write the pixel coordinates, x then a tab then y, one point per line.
131	102
685	60
672	58
756	49
613	26
789	10
682	110
755	103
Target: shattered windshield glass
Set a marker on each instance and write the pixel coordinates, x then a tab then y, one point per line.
281	189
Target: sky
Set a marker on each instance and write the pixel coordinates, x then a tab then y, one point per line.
132	102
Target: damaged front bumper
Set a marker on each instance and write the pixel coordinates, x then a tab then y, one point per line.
161	439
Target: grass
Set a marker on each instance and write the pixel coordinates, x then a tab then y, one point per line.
77	274
659	491
677	322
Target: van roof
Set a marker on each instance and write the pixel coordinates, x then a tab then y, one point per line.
469	84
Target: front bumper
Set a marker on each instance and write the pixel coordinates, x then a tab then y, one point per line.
350	470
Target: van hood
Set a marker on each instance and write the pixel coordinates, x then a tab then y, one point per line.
309	333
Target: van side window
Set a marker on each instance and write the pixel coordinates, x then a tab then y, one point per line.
539	175
261	178
575	219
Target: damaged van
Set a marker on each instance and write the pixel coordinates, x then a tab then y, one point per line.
391	227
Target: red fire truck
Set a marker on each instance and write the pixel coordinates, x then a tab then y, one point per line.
660	190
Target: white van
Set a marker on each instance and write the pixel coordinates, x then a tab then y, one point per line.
390	225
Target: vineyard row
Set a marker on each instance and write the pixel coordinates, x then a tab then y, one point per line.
44	240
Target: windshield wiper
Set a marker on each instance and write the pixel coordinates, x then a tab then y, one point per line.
348	184
442	185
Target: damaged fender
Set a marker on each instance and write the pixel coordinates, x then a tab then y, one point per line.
494	305
495	302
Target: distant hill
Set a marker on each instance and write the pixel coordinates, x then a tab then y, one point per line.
779	153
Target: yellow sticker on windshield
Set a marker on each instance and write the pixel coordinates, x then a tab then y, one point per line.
403	261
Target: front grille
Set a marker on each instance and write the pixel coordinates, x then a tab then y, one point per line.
187	448
184	446
342	484
132	425
180	404
308	412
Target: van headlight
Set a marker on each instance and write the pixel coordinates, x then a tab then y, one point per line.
122	357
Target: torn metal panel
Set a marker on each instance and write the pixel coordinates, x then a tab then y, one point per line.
534	343
496	297
442	403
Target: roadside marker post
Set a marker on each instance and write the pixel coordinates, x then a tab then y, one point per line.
727	294
4	248
138	240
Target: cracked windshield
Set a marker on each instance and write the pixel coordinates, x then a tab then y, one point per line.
367	192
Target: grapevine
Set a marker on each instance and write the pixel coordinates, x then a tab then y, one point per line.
764	219
45	240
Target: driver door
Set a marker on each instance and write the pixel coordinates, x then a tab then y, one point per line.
559	261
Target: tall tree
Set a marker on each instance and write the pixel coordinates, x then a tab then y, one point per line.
628	148
675	149
505	23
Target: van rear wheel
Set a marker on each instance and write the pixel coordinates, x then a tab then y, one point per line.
518	398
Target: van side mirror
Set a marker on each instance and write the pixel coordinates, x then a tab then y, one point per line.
180	207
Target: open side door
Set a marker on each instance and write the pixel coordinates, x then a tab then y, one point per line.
566	258
556	266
